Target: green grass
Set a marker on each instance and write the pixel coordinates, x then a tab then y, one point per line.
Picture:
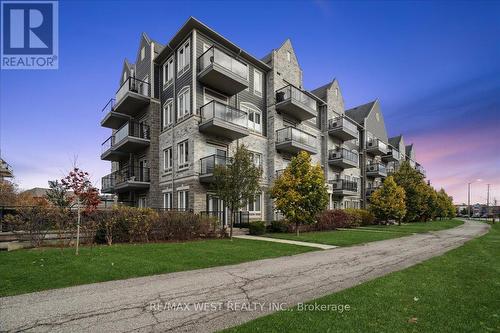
367	234
25	271
456	292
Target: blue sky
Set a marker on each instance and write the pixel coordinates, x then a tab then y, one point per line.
434	66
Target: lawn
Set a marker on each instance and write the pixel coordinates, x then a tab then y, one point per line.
367	234
25	271
455	292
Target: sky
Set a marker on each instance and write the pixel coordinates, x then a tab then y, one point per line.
434	66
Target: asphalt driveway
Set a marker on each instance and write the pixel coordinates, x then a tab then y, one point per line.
211	299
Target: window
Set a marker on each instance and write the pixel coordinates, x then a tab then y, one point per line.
257	83
167	200
168	72
254	117
257	159
336	92
143	203
182	199
167	114
183	103
254	205
143	53
288	56
183	58
167	159
183	154
210	95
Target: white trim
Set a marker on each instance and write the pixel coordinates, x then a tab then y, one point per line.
168	83
194	69
261	83
252	108
184	163
181	71
205	89
166	168
170	102
183	91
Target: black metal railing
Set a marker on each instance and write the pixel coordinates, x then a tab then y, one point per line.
137	174
110	106
344	184
295	134
342	122
376	167
218	110
132	84
343	153
215	56
208	163
291	92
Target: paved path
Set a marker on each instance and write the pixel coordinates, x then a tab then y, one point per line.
142	304
287	241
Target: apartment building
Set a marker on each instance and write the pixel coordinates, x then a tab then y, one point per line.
6	170
183	107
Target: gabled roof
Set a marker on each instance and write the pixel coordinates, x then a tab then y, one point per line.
395	140
321	91
193	23
408	149
359	113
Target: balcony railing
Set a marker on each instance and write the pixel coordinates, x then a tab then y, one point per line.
294	93
133	129
224	112
376	167
344	185
377	144
133	85
131	174
208	164
106	145
343	153
342	121
110	106
295	134
215	56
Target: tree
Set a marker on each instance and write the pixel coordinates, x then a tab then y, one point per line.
415	190
388	202
85	193
300	192
8	193
58	194
237	182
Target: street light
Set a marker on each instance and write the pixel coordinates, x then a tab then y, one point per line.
468	195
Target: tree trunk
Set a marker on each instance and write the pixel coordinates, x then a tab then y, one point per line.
78	228
399	222
297	228
231	219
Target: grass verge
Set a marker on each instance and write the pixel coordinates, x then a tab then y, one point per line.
363	235
456	292
25	271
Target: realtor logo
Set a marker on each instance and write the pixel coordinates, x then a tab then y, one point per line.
29	35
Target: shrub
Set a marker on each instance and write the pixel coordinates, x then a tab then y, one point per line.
280	226
362	216
172	225
35	221
140	222
333	219
257	228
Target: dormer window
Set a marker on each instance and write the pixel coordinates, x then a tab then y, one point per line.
143	53
288	56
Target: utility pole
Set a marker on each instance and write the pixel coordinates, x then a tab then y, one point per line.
468	200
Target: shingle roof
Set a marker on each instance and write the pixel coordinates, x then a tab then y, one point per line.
395	140
408	149
321	91
359	113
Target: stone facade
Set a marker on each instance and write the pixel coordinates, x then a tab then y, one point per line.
202	62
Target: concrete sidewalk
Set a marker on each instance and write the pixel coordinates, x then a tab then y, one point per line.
208	300
287	241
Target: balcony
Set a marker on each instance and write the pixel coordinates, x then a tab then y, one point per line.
5	170
392	156
113	119
342	128
132	96
370	190
128	179
222	72
376	170
295	103
207	167
292	140
343	158
376	147
132	137
223	121
343	187
392	167
420	169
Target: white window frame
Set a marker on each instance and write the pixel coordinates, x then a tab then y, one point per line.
168	113
168	72
288	56
257	86
212	92
183	154
253	204
167	200
168	159
143	53
184	106
254	154
251	108
182	199
142	202
184	58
